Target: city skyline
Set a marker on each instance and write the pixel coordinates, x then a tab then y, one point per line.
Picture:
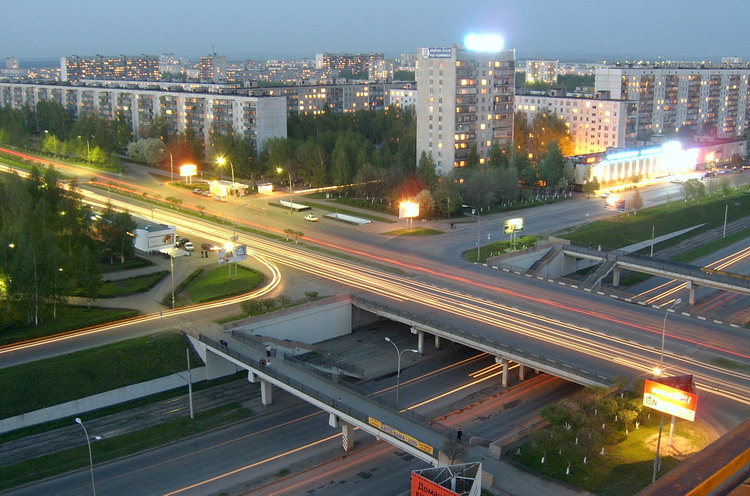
44	31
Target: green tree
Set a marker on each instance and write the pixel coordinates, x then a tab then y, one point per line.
552	166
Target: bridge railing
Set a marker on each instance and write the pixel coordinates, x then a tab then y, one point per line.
335	403
487	342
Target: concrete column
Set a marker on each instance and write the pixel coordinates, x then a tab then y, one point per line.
347	436
616	277
690	285
521	371
504	377
265	393
437	342
251	377
420	342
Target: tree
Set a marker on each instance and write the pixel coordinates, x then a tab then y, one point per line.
636	201
427	205
426	170
591	186
148	150
252	307
552	166
311	295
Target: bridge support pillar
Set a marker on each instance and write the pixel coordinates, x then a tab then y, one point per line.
251	377
437	342
692	287
504	363
347	436
420	339
265	393
521	371
616	277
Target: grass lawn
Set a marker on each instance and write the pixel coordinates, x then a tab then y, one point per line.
216	283
498	248
626	467
110	449
14	329
56	380
131	285
626	229
414	231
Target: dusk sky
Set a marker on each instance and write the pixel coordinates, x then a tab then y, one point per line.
682	30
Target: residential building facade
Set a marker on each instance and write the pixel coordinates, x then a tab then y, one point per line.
595	124
464	100
213	68
541	71
258	119
139	67
685	99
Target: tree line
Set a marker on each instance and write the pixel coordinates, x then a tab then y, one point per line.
51	245
372	153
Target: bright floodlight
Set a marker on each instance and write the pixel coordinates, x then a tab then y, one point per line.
484	42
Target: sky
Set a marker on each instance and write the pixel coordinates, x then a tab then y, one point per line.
285	29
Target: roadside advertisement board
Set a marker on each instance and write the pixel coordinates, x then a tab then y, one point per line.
513	225
236	254
421	486
670	400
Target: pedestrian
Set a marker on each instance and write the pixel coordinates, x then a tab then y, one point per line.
268	350
452	225
262	362
268	363
459	434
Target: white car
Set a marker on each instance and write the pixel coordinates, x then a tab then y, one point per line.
311	218
188	246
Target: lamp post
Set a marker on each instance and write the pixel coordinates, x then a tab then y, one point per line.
222	161
171	166
398	365
171	271
475	210
91	460
657	371
88	149
291	191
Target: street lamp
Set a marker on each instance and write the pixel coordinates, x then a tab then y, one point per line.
88	149
222	161
398	365
291	192
475	210
171	166
658	371
91	460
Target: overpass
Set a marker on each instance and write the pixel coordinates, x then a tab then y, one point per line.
346	406
565	258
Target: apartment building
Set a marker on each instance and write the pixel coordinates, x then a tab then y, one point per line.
464	99
541	71
682	98
212	68
257	118
595	124
123	67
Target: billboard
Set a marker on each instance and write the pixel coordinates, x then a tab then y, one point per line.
408	210
422	486
671	400
437	53
513	225
233	254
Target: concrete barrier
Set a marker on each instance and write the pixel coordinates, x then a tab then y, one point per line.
101	400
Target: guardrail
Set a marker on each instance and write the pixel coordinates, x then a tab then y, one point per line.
334	403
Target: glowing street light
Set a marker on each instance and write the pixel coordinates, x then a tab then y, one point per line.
222	161
398	365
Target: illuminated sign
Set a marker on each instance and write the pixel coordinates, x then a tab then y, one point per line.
484	42
188	170
513	225
422	486
408	210
400	435
437	53
669	400
232	254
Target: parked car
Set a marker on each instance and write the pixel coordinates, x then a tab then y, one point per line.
198	191
208	194
709	174
181	241
311	218
188	246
